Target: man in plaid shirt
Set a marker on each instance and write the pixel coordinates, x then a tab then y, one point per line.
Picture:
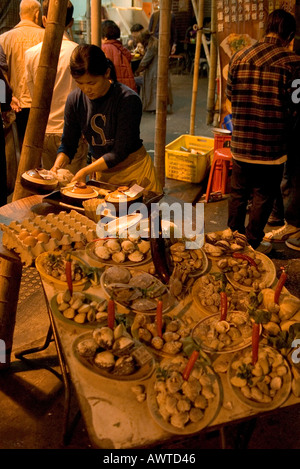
260	88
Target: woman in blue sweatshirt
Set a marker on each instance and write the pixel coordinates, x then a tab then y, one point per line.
108	114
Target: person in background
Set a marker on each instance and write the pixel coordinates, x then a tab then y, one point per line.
117	53
3	63
154	26
285	212
146	74
135	31
5	99
261	127
64	84
290	188
108	113
15	42
9	14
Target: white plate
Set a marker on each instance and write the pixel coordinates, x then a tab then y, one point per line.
121	224
238	344
141	373
279	398
90	251
162	294
210	412
267	278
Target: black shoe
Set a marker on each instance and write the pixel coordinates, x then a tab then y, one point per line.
273	221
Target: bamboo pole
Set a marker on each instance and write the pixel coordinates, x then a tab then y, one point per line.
162	89
42	95
10	280
96	22
88	21
199	13
213	66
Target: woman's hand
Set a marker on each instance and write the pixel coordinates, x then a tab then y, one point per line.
80	176
61	161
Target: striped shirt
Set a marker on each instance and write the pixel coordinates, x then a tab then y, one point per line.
259	87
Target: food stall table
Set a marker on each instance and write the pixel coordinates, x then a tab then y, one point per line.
114	418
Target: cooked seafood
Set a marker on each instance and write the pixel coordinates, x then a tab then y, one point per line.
80	307
113	351
207	290
216	335
119	250
245	270
144	328
262	382
135	289
181	402
224	242
117	274
54	264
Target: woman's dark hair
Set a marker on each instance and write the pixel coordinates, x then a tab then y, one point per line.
135	28
282	23
145	37
88	58
110	29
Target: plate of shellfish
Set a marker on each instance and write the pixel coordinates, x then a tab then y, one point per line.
223	243
113	354
267	384
135	289
170	343
244	269
219	336
79	308
193	262
181	406
52	268
206	294
126	251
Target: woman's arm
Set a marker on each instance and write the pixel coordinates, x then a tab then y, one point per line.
61	161
98	165
72	127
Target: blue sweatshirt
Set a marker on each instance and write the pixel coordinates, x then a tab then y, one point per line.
110	124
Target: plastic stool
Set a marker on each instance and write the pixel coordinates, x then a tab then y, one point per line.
179	61
224	156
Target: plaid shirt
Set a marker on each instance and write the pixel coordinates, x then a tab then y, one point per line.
259	87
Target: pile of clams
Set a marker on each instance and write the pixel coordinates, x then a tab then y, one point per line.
113	351
243	272
119	250
183	402
144	328
207	292
224	336
186	263
224	242
81	307
260	383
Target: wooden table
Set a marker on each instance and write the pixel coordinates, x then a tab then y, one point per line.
113	417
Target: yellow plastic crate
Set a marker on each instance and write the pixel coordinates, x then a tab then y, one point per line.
184	165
